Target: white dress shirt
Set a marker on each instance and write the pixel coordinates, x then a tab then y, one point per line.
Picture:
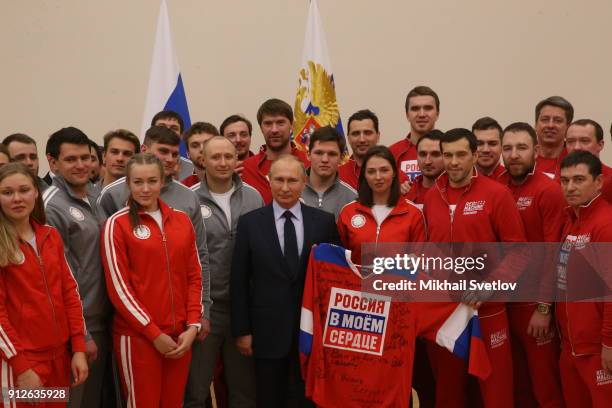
297	220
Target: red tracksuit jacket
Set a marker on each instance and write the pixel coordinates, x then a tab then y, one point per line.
417	192
497	171
153	278
405	153
485	212
40	307
586	325
357	225
256	168
541	205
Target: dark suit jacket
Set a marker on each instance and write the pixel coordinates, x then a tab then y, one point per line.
47	179
265	300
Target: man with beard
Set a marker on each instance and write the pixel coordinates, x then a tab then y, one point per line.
422	111
535	345
195	139
238	130
552	115
275	118
489	134
431	163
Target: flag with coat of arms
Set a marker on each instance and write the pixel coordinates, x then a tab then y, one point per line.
315	102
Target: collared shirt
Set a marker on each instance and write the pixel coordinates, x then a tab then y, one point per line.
297	220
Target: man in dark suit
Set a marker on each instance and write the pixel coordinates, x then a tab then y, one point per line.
267	280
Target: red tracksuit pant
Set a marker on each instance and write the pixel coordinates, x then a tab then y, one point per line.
585	383
451	372
536	361
148	379
52	373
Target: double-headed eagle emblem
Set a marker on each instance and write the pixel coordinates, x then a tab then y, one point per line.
315	103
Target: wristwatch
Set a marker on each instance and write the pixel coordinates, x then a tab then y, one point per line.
544	308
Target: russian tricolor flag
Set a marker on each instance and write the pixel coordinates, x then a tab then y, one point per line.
166	91
460	333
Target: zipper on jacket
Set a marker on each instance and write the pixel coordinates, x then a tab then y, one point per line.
44	276
169	281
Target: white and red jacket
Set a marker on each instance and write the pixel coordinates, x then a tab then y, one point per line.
586	325
485	212
40	307
153	277
357	225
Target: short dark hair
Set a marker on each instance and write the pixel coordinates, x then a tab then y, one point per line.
327	134
599	133
18	137
161	134
583	157
169	114
364	192
122	134
434	134
273	107
522	127
422	91
99	152
559	102
233	119
487	123
200	127
363	114
457	134
4	149
65	135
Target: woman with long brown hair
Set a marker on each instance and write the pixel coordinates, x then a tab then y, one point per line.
42	331
153	277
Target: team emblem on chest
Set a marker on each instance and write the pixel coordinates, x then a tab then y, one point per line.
206	211
142	232
358	221
76	213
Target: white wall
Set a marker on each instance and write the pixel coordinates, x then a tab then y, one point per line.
86	63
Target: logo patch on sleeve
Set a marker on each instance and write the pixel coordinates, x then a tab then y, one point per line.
356	321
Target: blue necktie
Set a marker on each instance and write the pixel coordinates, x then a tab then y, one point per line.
291	247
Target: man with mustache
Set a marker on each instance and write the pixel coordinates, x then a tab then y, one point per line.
489	134
362	133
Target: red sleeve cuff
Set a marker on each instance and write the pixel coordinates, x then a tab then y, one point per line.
151	331
78	343
20	364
